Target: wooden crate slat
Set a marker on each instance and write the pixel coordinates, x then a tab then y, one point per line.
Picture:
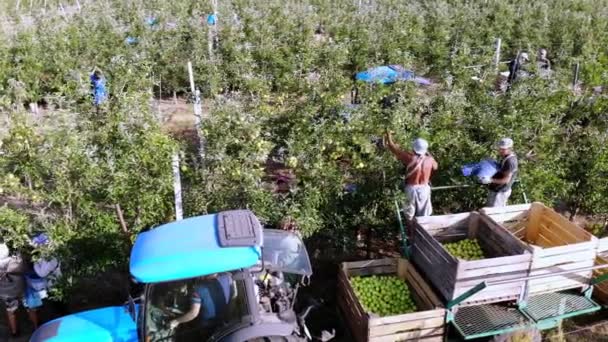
409	317
492	294
549	238
420	335
508	242
534	214
425	290
443	281
564	234
489	271
470	282
428	322
573	248
602	246
357	327
565	224
350	297
401	327
378	270
600	291
493	262
438	222
351	265
560	259
506	209
558	233
434	247
556	284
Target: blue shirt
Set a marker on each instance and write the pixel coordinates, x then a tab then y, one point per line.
213	295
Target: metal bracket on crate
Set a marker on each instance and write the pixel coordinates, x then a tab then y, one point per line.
522	300
588	291
474	290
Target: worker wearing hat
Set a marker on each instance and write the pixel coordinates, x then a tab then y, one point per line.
499	186
419	165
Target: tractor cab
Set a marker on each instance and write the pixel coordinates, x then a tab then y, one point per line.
243	278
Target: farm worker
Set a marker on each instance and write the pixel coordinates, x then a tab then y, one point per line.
98	87
39	279
211	296
499	186
11	285
543	62
419	165
516	66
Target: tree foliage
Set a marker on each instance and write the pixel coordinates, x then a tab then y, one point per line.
279	79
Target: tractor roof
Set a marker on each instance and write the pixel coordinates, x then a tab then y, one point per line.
192	248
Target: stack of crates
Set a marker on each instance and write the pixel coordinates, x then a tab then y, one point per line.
521	244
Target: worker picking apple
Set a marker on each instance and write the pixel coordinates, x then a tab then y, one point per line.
499	185
419	165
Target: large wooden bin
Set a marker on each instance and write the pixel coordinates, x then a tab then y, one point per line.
600	291
506	257
556	244
427	324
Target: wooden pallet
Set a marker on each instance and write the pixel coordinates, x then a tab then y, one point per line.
427	324
556	244
507	258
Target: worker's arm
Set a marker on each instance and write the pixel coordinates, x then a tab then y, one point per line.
195	308
394	148
435	164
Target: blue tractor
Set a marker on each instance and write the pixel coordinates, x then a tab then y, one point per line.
255	272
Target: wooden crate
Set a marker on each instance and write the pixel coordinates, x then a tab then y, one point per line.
507	257
600	291
556	244
602	245
427	324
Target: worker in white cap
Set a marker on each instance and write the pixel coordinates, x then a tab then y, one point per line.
499	186
419	165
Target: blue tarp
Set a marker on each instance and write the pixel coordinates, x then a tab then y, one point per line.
99	89
483	169
388	74
131	40
211	19
151	21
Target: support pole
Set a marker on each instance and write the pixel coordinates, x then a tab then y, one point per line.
406	253
177	187
497	53
575	74
197	113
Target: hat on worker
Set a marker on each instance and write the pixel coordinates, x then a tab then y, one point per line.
505	143
421	146
4	252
